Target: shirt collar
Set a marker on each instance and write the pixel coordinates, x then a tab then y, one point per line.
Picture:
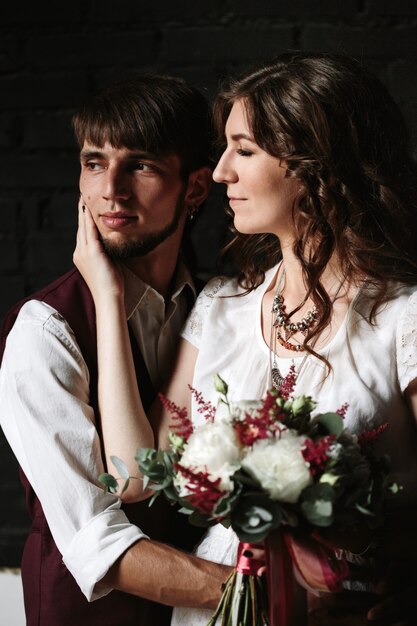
135	288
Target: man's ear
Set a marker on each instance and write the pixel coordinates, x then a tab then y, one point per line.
198	187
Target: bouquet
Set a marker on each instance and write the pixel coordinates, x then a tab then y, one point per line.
274	472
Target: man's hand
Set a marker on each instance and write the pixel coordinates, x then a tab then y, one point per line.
158	572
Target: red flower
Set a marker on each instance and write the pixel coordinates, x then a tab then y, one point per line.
184	426
342	410
205	493
369	436
315	452
287	387
206	408
263	424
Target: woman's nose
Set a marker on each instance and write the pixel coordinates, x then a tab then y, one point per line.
224	172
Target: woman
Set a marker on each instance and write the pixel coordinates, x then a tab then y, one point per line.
323	194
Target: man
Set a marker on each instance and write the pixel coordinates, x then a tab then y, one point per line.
144	169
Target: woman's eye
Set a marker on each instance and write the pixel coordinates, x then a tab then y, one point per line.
244	153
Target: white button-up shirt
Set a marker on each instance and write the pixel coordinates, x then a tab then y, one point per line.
46	417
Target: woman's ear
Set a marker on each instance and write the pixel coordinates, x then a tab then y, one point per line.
198	187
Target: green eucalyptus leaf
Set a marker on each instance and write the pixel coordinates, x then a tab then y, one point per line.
318	512
125	486
185	510
364	511
199	520
153	498
227	503
155	471
120	466
331	423
317	504
167	460
110	483
145	455
171	493
255	516
241	477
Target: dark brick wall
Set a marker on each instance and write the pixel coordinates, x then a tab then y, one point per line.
54	54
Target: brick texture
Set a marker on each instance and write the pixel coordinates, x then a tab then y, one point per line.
55	55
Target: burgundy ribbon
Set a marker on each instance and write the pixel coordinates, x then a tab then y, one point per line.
315	561
280	579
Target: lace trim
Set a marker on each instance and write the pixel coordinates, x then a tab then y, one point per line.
193	328
407	343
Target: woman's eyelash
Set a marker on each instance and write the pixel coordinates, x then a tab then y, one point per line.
246	153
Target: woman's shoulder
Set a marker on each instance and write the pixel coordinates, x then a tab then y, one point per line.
221	286
399	298
226	286
406	338
406	303
403	299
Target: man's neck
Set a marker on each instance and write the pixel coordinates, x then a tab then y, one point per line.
157	268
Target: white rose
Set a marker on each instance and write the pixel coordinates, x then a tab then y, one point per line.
279	466
213	448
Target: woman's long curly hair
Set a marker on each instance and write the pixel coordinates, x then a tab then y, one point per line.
342	135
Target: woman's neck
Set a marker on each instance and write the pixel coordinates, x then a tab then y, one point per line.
295	286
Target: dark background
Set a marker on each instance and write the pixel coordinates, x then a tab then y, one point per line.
54	54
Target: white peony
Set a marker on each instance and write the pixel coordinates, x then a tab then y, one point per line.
214	448
279	466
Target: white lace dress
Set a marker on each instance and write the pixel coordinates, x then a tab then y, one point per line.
372	366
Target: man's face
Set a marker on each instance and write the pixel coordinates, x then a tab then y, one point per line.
136	199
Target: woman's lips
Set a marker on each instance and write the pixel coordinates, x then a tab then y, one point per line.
117	220
233	200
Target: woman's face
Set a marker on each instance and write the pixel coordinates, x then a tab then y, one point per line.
260	195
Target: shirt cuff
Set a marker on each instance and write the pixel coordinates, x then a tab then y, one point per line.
96	547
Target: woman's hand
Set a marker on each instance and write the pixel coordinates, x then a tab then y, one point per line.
101	274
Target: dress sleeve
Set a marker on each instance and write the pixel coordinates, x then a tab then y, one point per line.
50	425
407	343
193	328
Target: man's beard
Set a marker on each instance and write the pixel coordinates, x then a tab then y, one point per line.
141	247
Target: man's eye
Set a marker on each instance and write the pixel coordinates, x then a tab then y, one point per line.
143	167
92	166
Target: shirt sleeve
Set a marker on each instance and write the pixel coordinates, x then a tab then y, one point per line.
406	343
193	328
47	419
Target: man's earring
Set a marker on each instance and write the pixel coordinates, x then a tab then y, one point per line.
192	210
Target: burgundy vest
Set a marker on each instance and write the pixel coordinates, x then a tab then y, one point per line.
52	597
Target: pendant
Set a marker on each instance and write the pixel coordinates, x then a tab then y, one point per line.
277	378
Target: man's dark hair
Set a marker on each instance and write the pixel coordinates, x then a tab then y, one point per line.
158	114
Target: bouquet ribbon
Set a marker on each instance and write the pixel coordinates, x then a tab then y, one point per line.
314	560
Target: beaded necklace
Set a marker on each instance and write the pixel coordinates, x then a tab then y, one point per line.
282	320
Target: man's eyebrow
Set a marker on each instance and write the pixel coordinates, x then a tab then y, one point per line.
91	154
132	156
